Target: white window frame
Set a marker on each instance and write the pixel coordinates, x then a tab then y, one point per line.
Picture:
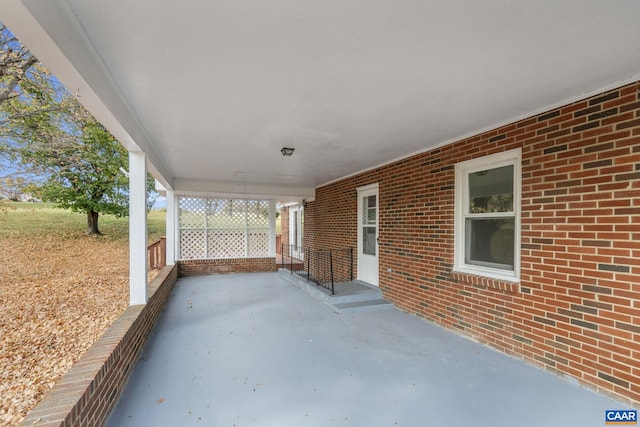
462	170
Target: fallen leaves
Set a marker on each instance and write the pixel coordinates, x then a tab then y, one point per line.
58	293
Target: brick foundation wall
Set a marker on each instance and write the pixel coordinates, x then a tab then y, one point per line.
200	267
576	310
86	395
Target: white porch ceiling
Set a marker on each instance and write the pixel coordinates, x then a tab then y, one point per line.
212	90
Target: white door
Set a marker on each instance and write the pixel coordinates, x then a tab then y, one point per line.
296	231
368	234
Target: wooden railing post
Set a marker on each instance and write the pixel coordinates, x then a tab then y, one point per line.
157	254
163	252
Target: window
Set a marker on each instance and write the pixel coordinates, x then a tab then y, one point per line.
369	223
487	226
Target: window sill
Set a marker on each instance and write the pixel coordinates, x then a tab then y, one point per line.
486	282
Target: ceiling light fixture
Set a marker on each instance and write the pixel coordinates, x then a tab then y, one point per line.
287	152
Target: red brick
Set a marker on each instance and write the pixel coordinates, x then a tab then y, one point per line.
567	202
130	331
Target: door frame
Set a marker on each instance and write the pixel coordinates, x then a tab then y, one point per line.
296	230
364	260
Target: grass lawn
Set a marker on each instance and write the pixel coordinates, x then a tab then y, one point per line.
59	290
32	219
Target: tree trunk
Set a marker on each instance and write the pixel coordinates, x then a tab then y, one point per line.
92	223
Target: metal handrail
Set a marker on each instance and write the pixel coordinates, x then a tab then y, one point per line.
321	266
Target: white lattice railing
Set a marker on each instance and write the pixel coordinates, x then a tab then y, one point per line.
223	228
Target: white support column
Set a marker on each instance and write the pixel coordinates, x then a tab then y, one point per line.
272	228
137	228
177	250
171	228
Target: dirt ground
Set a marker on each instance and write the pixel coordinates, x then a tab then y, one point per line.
57	296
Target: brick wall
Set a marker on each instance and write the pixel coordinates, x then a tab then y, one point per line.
309	224
200	267
284	227
576	310
86	395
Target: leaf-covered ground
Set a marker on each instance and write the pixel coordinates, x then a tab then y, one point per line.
59	290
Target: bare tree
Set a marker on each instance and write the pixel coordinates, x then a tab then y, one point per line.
15	62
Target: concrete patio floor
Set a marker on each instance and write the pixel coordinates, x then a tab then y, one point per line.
254	350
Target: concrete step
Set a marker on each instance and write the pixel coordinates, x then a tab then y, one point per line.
378	304
367	295
350	297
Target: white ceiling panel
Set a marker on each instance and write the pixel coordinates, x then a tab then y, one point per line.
213	89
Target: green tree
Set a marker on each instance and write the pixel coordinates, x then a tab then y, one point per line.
47	134
87	177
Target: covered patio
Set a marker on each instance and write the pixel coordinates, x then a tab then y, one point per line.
321	106
248	350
